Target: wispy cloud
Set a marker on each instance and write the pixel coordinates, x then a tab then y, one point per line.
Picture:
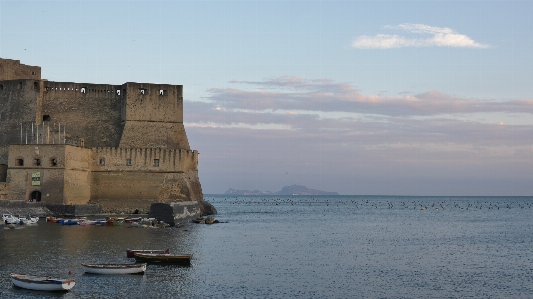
324	95
439	37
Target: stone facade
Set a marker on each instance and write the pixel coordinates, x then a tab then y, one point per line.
120	146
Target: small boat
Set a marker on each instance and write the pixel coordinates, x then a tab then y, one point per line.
69	221
87	222
42	283
163	258
131	252
10	219
114	268
32	219
130	220
100	222
53	219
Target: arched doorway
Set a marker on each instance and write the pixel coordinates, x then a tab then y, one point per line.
35	196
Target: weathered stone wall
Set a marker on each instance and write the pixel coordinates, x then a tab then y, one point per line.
63	170
12	69
154	116
18	106
77	181
92	112
4	191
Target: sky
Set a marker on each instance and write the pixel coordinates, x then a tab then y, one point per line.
356	97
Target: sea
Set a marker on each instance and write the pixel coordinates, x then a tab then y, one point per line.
298	247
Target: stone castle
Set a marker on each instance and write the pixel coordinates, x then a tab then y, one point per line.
122	147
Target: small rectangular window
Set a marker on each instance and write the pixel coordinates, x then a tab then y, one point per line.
162	92
19	86
143	91
46	118
156	162
102	161
19	162
37	162
128	162
53	162
34	73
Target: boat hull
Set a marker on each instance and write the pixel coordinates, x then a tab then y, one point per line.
131	252
182	259
41	283
114	268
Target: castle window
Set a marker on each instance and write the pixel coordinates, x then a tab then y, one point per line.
128	162
36	85
34	73
46	117
37	162
156	162
83	90
19	86
53	162
19	162
102	161
1	87
162	92
118	92
143	91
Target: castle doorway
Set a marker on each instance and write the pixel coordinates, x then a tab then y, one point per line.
35	196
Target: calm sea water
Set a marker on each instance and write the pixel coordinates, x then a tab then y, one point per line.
300	247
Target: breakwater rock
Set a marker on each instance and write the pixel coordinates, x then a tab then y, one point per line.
176	212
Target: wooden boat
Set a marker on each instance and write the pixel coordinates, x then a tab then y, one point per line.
42	283
163	258
114	268
131	252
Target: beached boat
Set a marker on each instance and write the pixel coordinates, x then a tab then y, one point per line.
131	252
87	222
114	268
163	258
69	221
42	283
10	219
53	219
130	220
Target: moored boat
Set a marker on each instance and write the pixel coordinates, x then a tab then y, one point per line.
114	268
130	220
131	252
10	219
69	221
164	258
42	283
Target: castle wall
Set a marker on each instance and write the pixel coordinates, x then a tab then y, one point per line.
63	172
92	112
4	191
13	69
123	176
77	180
18	106
154	116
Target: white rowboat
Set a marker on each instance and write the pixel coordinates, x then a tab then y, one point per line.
114	268
42	283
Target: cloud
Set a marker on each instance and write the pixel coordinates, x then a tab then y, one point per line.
326	96
440	37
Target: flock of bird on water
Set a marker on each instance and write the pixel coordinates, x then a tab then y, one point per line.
366	203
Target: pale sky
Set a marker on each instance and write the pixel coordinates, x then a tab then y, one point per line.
357	97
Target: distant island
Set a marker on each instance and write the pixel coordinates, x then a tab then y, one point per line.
287	190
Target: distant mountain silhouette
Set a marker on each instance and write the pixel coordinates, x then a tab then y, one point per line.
287	190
